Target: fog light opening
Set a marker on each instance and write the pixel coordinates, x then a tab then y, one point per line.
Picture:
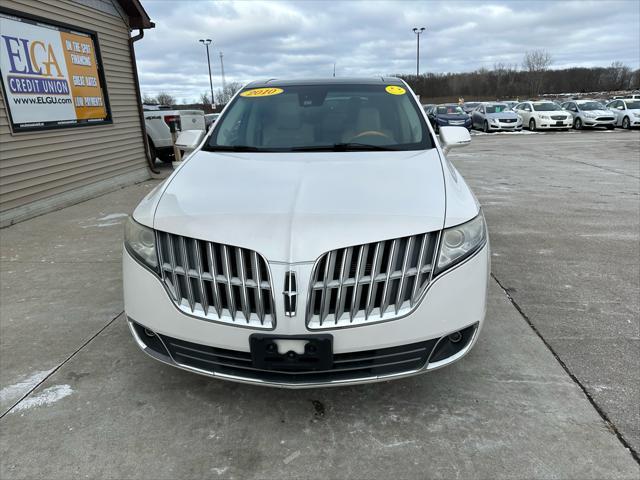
149	333
455	337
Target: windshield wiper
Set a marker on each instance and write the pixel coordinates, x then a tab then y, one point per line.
342	147
231	148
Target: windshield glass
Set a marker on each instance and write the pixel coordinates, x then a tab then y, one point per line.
321	117
497	108
590	106
635	105
546	107
450	110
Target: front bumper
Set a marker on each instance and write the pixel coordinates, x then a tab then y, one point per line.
593	122
440	313
501	126
551	124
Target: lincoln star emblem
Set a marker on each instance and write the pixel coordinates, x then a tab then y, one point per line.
290	294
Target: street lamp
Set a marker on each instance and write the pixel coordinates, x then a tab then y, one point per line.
418	32
206	43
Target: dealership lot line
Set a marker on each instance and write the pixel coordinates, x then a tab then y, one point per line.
564	218
96	406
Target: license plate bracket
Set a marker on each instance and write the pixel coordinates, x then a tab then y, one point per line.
317	355
560	122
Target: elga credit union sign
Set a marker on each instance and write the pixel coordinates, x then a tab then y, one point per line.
51	75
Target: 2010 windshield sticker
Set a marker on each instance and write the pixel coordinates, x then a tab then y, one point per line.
395	90
261	92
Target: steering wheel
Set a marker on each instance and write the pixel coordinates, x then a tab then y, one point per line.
381	137
370	133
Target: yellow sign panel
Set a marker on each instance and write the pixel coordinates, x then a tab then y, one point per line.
395	90
261	92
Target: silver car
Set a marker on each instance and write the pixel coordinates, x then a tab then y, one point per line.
589	113
492	117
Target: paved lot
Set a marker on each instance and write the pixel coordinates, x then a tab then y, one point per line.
78	399
564	217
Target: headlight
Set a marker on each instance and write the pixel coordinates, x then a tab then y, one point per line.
494	120
590	115
140	242
636	114
545	117
442	120
520	118
461	241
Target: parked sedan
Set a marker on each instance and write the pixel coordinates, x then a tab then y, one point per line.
589	113
494	117
627	112
468	107
544	115
448	114
271	257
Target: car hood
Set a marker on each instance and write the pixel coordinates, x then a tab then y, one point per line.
598	112
293	207
502	115
554	113
452	116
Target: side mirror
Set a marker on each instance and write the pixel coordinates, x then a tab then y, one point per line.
451	137
189	140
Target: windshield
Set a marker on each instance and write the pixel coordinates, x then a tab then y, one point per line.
450	110
321	117
546	107
497	108
633	105
590	106
471	104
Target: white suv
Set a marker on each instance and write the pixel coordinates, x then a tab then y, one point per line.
317	236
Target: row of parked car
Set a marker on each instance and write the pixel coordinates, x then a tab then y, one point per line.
536	115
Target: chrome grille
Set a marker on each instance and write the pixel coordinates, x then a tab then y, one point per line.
370	283
604	119
217	282
558	117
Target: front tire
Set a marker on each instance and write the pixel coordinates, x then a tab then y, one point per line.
578	124
626	124
532	125
152	152
485	127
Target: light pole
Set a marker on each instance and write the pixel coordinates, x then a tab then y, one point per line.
418	32
206	43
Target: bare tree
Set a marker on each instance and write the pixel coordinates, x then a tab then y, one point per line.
617	76
204	99
164	98
148	100
223	95
536	62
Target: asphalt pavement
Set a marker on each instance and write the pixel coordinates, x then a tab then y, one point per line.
548	391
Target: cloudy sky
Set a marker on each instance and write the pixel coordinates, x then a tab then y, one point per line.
303	38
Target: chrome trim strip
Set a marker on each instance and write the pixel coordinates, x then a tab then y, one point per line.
187	272
372	284
203	291
256	269
357	288
226	269
214	277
